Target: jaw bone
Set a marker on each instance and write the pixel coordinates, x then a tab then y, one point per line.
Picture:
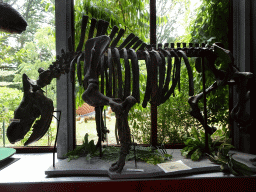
32	106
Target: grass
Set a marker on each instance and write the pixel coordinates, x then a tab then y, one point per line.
90	128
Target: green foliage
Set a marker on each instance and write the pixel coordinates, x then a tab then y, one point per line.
49	6
33	12
85	149
6	76
212	25
128	14
38	54
10	99
146	154
228	163
26	52
5	51
111	153
211	21
195	143
221	136
167	21
51	134
156	159
174	121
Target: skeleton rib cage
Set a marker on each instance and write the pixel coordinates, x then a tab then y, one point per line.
143	52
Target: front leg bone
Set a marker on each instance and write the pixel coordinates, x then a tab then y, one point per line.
93	97
121	110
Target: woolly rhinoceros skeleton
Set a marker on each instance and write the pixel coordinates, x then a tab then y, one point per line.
101	59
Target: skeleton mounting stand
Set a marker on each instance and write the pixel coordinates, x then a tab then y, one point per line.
205	110
99	124
54	148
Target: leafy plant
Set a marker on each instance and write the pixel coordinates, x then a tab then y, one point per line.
146	154
195	145
219	145
163	151
220	137
111	153
228	163
87	148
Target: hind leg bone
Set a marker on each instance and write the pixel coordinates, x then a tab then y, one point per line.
195	111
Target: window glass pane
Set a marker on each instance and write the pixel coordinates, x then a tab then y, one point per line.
133	16
26	53
173	19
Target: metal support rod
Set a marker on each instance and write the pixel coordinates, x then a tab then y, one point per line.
134	148
153	22
54	148
5	110
4	133
105	125
231	38
153	104
231	123
205	110
98	114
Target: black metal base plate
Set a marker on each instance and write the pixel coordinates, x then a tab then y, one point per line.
99	167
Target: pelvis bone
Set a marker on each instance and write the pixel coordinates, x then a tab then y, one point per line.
32	106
